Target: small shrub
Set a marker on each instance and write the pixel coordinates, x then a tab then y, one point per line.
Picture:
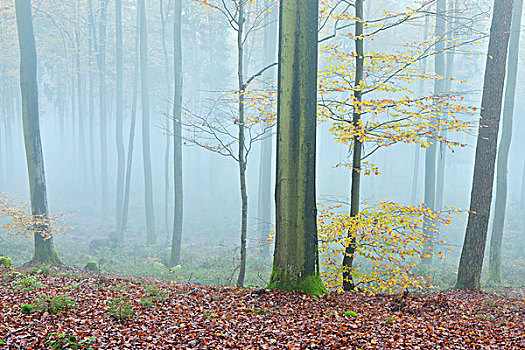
155	293
6	262
92	266
53	305
27	308
350	313
120	309
61	303
27	283
146	303
61	341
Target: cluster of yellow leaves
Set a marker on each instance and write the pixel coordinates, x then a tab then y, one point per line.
390	112
16	220
389	236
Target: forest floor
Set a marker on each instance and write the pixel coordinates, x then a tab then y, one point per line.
70	309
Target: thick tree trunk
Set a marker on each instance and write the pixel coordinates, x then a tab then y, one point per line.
264	206
296	259
177	137
348	259
146	152
119	119
471	262
44	249
503	151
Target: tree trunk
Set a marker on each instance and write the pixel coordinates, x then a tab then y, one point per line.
44	249
417	151
431	151
522	196
81	110
503	151
131	140
119	119
471	262
92	41
348	259
264	206
296	259
168	131
102	106
146	152
177	137
242	141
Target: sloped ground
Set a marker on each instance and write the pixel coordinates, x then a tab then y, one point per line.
169	316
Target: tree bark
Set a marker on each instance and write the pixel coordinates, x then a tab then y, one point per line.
119	138
151	237
264	206
102	105
91	42
242	141
131	139
177	137
296	259
44	249
431	151
168	131
503	151
348	259
471	262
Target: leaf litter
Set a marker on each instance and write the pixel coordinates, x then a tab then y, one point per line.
181	316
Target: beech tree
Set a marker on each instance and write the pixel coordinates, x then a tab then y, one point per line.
146	152
504	147
471	262
177	136
44	248
296	260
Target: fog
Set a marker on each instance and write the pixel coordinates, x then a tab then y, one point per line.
68	47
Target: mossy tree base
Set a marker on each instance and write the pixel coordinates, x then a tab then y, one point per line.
310	284
45	252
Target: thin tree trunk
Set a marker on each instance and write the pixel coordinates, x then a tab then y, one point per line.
450	55
417	151
471	262
264	206
102	106
430	152
168	132
296	257
242	141
44	249
151	237
81	112
119	121
131	139
503	151
522	196
348	259
177	137
92	41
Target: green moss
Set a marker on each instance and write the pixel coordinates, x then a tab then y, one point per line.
92	266
310	284
7	262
